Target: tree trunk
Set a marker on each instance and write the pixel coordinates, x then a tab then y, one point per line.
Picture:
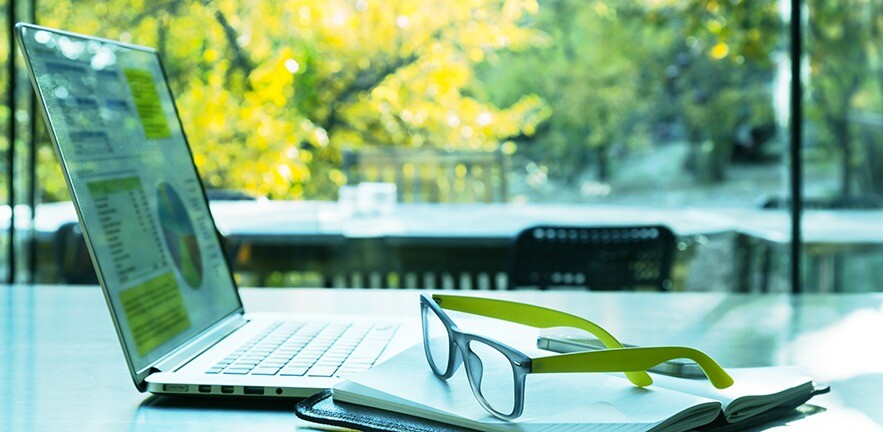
602	153
842	136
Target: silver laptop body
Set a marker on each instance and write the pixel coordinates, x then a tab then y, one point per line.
153	241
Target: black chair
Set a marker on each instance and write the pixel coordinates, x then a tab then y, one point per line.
229	195
234	248
72	257
598	258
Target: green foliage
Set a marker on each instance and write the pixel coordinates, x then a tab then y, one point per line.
844	46
272	91
5	117
593	74
615	71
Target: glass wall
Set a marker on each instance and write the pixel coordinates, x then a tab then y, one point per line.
636	103
641	104
843	149
17	163
5	120
550	107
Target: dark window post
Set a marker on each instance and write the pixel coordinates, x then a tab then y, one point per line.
796	127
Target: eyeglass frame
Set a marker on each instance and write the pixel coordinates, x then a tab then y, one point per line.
636	359
460	340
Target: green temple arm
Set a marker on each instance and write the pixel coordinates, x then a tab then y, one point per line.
536	316
630	359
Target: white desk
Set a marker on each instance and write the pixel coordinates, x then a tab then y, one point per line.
63	369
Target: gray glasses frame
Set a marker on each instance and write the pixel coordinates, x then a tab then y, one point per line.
458	351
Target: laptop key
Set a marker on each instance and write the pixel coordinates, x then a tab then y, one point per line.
313	350
326	371
300	371
249	366
265	371
347	372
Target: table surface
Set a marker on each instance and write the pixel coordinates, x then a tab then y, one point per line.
278	221
62	368
281	219
820	227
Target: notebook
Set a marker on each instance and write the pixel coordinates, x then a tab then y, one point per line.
577	402
154	245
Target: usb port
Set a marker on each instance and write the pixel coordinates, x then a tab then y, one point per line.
227	389
253	390
205	389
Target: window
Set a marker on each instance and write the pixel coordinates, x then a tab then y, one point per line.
5	116
652	106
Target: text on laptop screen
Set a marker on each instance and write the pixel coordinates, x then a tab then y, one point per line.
133	179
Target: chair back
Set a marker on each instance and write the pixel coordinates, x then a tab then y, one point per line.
597	258
229	195
72	257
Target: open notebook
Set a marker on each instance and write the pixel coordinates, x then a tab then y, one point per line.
577	402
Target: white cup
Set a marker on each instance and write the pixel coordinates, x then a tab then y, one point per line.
348	201
375	199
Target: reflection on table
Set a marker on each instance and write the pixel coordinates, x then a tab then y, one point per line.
842	248
63	368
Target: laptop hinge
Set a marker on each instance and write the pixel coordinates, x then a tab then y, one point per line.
179	357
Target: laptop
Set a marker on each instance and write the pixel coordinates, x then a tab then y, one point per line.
157	253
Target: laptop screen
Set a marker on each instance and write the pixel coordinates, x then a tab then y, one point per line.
134	183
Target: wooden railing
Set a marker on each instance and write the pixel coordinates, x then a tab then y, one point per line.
432	175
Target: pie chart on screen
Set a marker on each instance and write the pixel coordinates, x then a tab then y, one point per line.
179	235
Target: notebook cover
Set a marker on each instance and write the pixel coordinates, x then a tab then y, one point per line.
321	408
780	412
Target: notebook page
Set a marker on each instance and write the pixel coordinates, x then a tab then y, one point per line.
553	402
754	391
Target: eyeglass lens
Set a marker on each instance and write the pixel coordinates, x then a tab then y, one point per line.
492	375
436	339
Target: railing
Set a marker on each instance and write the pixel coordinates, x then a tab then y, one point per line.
425	175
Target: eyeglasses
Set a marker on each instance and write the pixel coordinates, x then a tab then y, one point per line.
497	372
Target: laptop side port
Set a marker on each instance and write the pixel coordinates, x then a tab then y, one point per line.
227	389
253	390
176	388
205	389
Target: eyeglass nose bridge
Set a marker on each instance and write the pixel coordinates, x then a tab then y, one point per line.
475	372
459	347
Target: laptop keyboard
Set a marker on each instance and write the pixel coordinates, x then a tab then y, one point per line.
308	349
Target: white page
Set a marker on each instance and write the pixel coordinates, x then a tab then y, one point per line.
754	390
553	401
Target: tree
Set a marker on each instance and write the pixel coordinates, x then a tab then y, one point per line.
843	38
272	91
615	72
598	72
5	118
720	74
